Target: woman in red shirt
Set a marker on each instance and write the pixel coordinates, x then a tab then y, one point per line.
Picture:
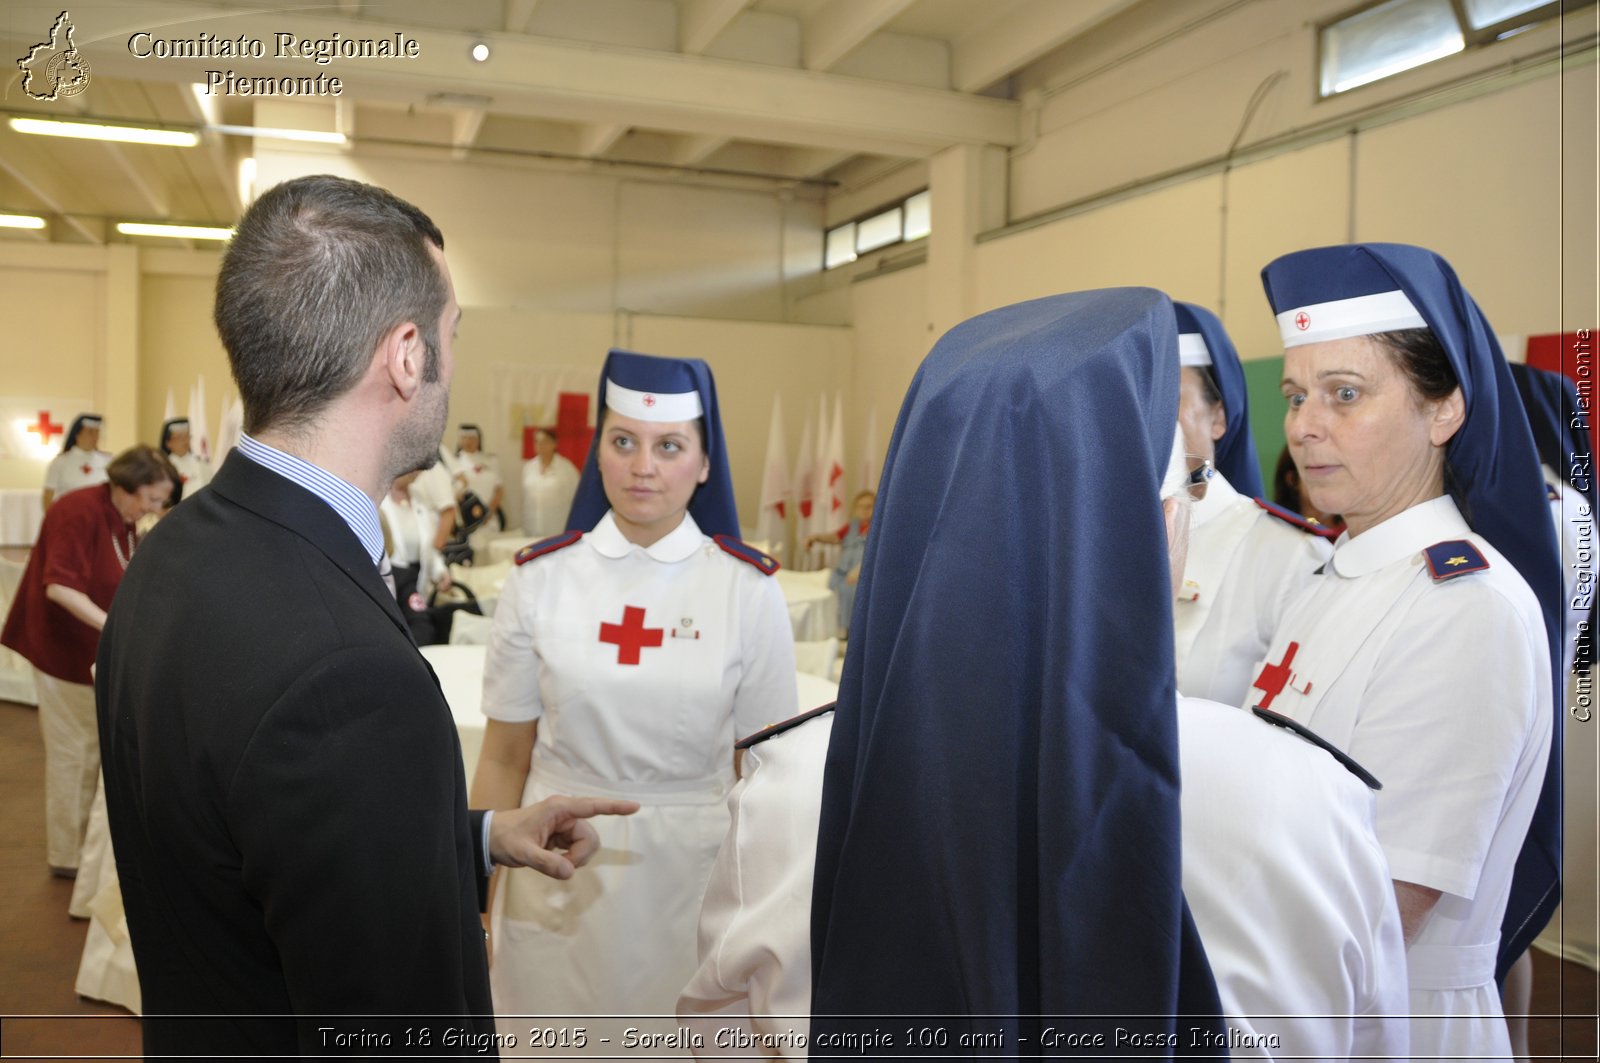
85	543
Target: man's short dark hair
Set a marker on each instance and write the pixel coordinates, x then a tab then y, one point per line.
318	271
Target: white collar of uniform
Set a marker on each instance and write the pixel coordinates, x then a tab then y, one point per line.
1220	496
1398	537
679	544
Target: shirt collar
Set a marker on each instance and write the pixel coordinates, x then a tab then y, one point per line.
1398	537
677	545
353	507
1220	495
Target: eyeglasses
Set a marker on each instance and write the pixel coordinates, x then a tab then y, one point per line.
1199	476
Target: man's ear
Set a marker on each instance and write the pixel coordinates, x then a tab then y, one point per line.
401	354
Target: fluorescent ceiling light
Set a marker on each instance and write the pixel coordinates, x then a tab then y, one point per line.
311	135
20	221
180	232
127	134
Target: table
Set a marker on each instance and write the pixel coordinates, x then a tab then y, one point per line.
813	607
21	511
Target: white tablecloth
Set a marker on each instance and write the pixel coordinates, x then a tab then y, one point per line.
460	671
813	608
21	510
502	548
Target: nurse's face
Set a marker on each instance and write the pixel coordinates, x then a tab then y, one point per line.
649	470
1203	422
1366	444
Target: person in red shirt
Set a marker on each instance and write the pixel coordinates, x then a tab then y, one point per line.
85	543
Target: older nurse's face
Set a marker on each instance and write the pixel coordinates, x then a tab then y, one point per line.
1367	446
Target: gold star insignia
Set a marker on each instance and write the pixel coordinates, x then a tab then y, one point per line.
1457	560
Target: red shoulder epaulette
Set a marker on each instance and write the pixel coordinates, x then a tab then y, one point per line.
547	546
747	553
1452	558
778	728
1289	516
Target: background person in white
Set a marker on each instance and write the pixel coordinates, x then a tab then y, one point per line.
81	462
1246	561
479	472
194	469
1281	869
1421	651
548	482
624	661
409	522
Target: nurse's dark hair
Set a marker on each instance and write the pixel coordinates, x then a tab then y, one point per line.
1423	360
1208	383
699	428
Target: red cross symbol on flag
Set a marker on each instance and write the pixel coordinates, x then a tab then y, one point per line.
630	636
46	427
1302	321
649	400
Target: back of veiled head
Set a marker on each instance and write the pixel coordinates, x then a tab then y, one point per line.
1000	822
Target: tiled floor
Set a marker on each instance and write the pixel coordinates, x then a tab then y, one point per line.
40	945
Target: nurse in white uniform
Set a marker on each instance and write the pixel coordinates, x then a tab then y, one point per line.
479	472
1422	651
81	463
548	483
194	470
625	659
1248	558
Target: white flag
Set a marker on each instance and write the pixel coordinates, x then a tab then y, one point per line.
199	434
871	456
817	523
773	521
837	513
171	410
229	428
802	493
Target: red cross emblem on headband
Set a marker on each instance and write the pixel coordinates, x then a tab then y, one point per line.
1302	321
649	400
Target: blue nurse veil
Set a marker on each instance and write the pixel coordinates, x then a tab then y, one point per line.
712	505
999	830
1236	455
1494	479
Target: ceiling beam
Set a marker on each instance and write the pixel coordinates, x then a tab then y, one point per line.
1026	34
215	152
701	21
814	162
350	7
464	127
562	81
36	189
155	201
841	27
694	151
516	14
595	140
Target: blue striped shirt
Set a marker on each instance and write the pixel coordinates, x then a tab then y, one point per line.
353	507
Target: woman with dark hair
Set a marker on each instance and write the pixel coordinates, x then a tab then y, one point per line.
73	571
194	472
548	483
1423	651
627	655
81	462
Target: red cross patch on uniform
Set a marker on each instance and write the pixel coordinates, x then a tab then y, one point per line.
631	636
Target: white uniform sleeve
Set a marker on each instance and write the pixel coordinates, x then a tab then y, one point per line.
511	669
766	693
53	473
755	924
1460	694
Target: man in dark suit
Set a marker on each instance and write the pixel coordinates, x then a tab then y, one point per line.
283	777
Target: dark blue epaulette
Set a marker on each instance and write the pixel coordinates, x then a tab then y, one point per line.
1317	740
1452	558
778	728
747	553
547	546
1289	516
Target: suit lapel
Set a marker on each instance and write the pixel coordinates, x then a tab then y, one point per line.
283	502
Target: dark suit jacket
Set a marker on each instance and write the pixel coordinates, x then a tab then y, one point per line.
285	789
